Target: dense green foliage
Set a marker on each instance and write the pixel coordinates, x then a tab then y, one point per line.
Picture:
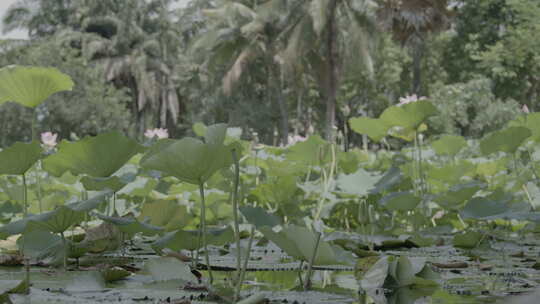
274	67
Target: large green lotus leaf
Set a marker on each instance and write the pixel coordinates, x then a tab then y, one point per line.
259	217
168	268
507	140
457	195
489	168
350	161
530	121
400	201
199	128
30	86
215	134
390	178
376	129
452	172
311	152
188	240
19	157
359	183
165	213
130	225
113	183
497	207
277	190
274	167
140	187
449	145
374	278
409	116
402	271
468	240
98	156
299	242
41	244
481	207
189	159
58	220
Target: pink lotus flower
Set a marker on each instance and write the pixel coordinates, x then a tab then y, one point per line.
159	133
295	139
410	99
49	139
525	109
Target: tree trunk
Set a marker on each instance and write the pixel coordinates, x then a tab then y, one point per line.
277	93
418	53
283	111
332	58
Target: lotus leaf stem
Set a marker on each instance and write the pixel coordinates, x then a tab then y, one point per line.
203	227
244	267
235	211
307	285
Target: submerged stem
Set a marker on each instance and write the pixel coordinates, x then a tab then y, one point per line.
65	250
25	195
307	285
203	231
235	212
244	267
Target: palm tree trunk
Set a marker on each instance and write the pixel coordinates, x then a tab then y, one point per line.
283	111
332	58
418	53
277	93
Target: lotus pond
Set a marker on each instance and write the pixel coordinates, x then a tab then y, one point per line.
216	218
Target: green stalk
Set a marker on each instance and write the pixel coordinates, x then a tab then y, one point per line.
307	285
235	212
65	250
38	182
25	195
203	231
327	180
26	259
244	267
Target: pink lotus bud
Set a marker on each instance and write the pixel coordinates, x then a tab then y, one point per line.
525	109
49	139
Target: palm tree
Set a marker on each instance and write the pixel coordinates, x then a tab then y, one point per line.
243	34
136	43
410	22
320	35
40	18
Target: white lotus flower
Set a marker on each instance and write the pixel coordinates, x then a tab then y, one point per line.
410	99
159	133
49	139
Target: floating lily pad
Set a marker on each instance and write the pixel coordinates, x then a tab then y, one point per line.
182	239
58	220
130	225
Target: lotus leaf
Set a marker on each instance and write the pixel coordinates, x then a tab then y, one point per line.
93	156
19	158
30	86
